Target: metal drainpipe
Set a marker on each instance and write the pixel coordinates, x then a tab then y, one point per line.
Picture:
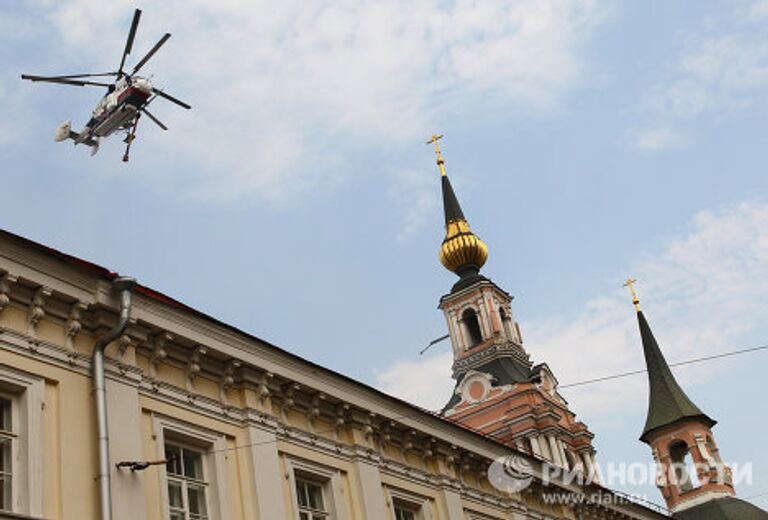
125	285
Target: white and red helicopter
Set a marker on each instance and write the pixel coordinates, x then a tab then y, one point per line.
123	104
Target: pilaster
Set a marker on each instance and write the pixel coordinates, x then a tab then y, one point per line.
267	477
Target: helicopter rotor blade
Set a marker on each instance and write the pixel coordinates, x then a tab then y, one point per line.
76	76
154	119
151	53
131	37
64	81
171	98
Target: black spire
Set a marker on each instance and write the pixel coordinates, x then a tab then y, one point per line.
667	403
451	205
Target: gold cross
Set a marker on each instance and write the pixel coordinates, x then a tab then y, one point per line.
630	282
440	162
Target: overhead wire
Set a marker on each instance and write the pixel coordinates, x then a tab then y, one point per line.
677	364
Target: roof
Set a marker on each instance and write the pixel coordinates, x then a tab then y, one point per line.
667	402
725	508
505	371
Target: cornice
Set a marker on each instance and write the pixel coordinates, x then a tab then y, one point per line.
62	357
489	353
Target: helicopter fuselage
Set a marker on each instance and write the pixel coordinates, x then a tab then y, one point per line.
118	109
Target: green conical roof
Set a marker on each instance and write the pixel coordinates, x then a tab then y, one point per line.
667	403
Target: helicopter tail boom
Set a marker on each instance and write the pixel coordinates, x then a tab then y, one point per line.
64	132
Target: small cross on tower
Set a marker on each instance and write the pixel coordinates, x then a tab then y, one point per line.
440	162
630	282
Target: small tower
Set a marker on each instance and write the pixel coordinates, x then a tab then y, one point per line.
498	389
692	477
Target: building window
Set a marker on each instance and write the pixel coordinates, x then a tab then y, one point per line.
472	327
316	489
21	446
194	483
310	498
7	440
408	506
187	484
405	511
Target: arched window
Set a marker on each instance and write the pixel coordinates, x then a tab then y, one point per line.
682	465
472	327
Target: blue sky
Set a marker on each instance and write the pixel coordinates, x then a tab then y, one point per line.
297	200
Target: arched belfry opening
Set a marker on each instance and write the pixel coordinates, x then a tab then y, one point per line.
682	462
471	327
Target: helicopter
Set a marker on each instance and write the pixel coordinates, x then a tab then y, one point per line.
119	110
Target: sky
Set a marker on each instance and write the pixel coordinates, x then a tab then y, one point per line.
587	141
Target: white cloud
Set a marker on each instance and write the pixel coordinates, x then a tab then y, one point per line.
659	138
425	381
282	92
721	69
703	292
415	195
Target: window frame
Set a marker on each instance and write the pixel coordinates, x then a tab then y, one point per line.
419	503
26	393
309	481
327	477
179	433
12	437
185	481
476	515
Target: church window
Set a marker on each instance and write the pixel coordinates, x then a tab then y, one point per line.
472	327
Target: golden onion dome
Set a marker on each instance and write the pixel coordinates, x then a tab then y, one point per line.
462	248
462	251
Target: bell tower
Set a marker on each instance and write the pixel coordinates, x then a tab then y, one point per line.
691	475
499	391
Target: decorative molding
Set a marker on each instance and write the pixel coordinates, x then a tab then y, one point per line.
263	386
228	378
37	308
124	342
315	409
193	366
288	392
5	290
474	360
74	323
158	352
